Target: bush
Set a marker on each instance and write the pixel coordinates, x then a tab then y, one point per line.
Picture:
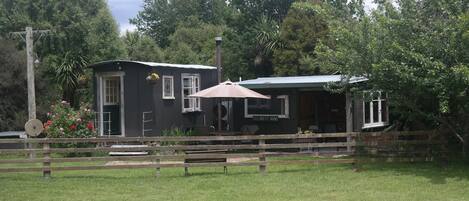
66	122
175	132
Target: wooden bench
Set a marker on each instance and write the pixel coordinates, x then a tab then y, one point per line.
205	160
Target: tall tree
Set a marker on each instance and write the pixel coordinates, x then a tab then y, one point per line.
194	43
141	47
13	104
81	32
417	53
159	18
300	32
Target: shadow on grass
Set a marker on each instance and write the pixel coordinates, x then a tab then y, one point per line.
435	172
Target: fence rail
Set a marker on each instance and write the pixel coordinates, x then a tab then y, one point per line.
165	152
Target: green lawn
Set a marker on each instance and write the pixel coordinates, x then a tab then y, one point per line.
420	181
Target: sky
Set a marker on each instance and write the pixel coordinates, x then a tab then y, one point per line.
123	10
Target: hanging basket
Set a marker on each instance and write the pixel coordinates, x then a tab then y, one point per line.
152	78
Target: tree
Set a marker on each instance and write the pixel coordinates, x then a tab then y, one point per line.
417	53
82	32
243	22
141	47
194	43
13	90
159	18
299	34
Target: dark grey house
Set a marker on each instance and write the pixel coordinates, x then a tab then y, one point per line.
302	103
127	104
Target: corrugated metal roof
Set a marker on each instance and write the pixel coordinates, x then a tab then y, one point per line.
191	66
297	81
194	66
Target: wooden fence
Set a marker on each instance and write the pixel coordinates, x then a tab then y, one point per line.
165	152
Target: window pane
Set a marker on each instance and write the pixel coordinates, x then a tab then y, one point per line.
186	103
375	111
186	92
384	111
367	112
376	95
197	103
112	90
167	87
187	82
282	106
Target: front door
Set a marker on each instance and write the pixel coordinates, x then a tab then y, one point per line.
111	105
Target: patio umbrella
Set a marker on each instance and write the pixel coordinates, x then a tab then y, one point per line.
227	89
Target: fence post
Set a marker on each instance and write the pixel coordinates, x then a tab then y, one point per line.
46	170
349	140
158	160
263	165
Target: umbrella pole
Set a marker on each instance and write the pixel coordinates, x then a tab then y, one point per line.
219	114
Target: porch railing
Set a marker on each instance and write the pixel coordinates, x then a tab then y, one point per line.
98	122
147	117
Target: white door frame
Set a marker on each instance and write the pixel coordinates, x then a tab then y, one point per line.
100	100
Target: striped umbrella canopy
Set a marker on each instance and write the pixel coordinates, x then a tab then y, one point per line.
228	89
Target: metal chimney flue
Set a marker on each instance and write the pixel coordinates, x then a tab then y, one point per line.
218	58
219	71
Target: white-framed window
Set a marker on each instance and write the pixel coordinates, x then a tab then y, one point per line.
190	85
274	107
111	90
168	87
375	109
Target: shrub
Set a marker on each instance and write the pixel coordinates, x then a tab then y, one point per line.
175	132
66	122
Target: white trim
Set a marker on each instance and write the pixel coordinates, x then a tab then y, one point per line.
171	97
100	101
379	100
280	116
192	107
105	94
122	109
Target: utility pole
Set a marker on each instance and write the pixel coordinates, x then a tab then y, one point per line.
30	74
29	38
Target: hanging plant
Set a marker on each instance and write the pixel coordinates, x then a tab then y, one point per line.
152	77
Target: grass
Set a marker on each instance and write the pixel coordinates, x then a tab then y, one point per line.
417	181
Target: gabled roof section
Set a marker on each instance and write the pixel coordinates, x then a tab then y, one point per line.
191	66
314	81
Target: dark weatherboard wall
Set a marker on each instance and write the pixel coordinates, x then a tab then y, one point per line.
139	96
307	107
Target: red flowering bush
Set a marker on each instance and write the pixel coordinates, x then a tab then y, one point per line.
66	122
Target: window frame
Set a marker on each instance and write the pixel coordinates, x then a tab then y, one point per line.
115	92
163	95
379	100
194	103
286	105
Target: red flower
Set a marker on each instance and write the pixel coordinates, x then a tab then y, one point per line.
73	127
47	124
90	125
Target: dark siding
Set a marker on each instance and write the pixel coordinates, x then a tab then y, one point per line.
329	112
138	97
267	127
